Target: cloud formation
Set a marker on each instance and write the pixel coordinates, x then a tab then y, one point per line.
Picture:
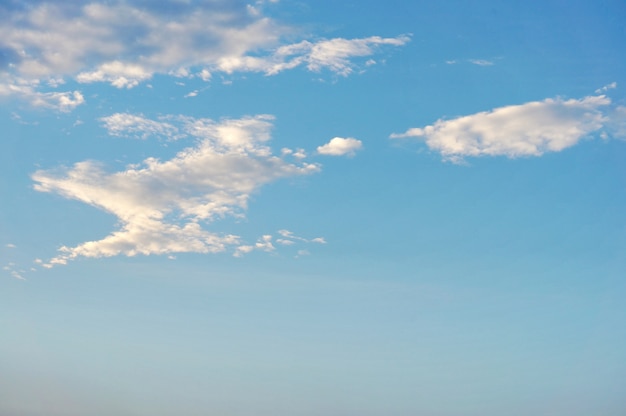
125	43
162	206
529	129
338	146
62	101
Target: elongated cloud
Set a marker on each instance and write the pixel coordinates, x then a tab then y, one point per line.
126	42
162	205
338	146
530	129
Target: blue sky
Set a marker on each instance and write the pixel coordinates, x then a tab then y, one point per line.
304	208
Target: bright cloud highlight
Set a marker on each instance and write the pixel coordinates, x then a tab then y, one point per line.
338	146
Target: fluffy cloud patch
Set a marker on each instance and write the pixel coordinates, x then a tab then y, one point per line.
339	146
161	206
530	129
124	43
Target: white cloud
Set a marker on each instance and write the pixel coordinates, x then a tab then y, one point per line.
335	55
480	62
119	74
339	146
529	129
161	205
62	101
10	245
125	44
289	238
607	87
124	124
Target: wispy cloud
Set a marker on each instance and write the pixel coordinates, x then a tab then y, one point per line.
607	87
11	269
339	146
335	55
480	62
529	129
162	206
62	101
137	126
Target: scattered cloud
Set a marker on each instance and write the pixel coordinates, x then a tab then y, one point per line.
529	129
10	245
125	43
137	126
11	269
61	101
480	62
162	206
289	238
339	146
119	74
607	87
335	55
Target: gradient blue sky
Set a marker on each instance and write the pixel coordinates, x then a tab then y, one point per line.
312	208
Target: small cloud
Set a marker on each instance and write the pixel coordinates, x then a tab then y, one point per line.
480	62
302	253
299	154
192	94
339	146
117	73
451	62
10	245
319	240
17	275
205	75
607	87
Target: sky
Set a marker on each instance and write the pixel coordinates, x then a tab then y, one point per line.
291	207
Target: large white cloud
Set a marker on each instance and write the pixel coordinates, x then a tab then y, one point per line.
162	205
125	42
529	129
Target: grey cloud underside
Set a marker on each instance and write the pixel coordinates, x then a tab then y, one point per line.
162	206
